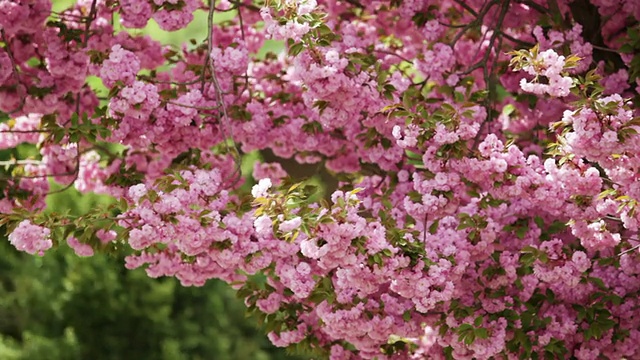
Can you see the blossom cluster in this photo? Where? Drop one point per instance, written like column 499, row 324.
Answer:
column 550, row 65
column 30, row 238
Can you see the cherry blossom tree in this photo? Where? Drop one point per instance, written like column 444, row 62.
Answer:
column 484, row 153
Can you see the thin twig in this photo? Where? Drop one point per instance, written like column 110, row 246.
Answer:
column 88, row 22
column 629, row 250
column 605, row 49
column 24, row 131
column 424, row 230
column 488, row 75
column 525, row 44
column 394, row 54
column 193, row 106
column 476, row 22
column 170, row 82
column 20, row 162
column 224, row 120
column 494, row 37
column 453, row 26
column 246, row 72
column 467, row 7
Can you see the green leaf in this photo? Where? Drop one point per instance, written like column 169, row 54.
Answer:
column 434, row 227
column 482, row 333
column 296, row 49
column 521, row 232
column 478, row 321
column 598, row 282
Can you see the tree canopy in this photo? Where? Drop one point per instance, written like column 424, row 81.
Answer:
column 406, row 179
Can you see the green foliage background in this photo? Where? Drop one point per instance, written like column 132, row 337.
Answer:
column 62, row 307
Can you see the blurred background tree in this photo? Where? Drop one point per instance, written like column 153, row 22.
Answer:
column 60, row 307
